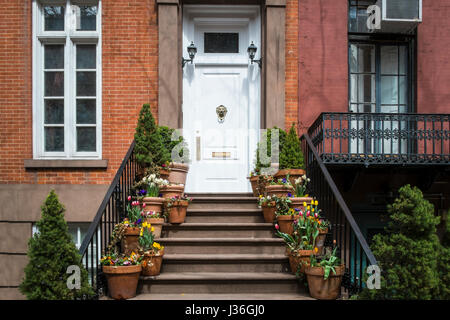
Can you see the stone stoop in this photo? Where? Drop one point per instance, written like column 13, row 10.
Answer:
column 223, row 251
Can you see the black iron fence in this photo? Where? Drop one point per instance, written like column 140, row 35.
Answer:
column 353, row 247
column 111, row 211
column 382, row 138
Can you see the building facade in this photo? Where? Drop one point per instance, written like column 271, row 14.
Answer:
column 74, row 75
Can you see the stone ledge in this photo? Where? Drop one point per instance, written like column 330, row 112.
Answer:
column 43, row 164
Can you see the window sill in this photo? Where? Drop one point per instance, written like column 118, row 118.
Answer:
column 83, row 164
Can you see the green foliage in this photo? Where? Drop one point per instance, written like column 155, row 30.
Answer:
column 328, row 262
column 179, row 145
column 408, row 253
column 50, row 252
column 149, row 147
column 265, row 147
column 291, row 155
column 444, row 263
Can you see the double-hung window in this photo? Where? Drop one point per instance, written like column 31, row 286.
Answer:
column 67, row 79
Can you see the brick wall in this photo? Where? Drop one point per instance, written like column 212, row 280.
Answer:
column 291, row 52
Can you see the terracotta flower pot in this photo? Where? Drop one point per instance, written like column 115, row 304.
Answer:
column 286, row 223
column 299, row 258
column 254, row 184
column 297, row 202
column 320, row 240
column 122, row 280
column 164, row 174
column 157, row 223
column 269, row 212
column 279, row 190
column 130, row 241
column 172, row 190
column 322, row 289
column 153, row 204
column 294, row 174
column 177, row 212
column 151, row 263
column 178, row 173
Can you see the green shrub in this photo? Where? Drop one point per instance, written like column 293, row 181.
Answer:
column 291, row 155
column 444, row 263
column 266, row 145
column 178, row 144
column 51, row 251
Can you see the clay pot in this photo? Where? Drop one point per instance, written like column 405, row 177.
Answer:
column 286, row 223
column 254, row 184
column 322, row 289
column 279, row 190
column 294, row 174
column 130, row 241
column 320, row 240
column 153, row 204
column 122, row 280
column 269, row 212
column 177, row 212
column 178, row 173
column 164, row 174
column 297, row 203
column 172, row 190
column 299, row 258
column 151, row 263
column 157, row 223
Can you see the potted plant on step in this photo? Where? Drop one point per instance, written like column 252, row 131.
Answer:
column 149, row 192
column 280, row 188
column 177, row 151
column 300, row 198
column 171, row 190
column 156, row 219
column 253, row 178
column 152, row 252
column 291, row 158
column 285, row 215
column 321, row 224
column 176, row 208
column 132, row 226
column 268, row 205
column 324, row 276
column 122, row 274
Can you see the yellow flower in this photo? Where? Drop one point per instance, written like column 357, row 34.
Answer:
column 316, row 250
column 312, row 209
column 144, row 224
column 152, row 229
column 141, row 233
column 156, row 245
column 308, row 207
column 260, row 196
column 316, row 203
column 306, row 195
column 304, row 204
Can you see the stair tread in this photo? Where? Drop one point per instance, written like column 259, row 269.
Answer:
column 220, row 225
column 220, row 296
column 214, row 257
column 224, row 198
column 220, row 276
column 221, row 211
column 250, row 240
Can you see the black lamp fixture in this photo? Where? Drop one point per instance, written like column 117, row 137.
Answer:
column 192, row 50
column 252, row 52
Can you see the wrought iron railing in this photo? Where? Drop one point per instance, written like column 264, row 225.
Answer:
column 353, row 248
column 111, row 211
column 382, row 138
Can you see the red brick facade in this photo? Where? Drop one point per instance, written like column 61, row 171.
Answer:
column 291, row 98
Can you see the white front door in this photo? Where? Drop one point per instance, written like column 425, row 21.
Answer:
column 222, row 146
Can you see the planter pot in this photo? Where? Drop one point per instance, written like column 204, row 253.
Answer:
column 164, row 174
column 122, row 280
column 320, row 240
column 130, row 241
column 153, row 204
column 324, row 289
column 178, row 173
column 269, row 213
column 177, row 212
column 254, row 184
column 286, row 223
column 298, row 202
column 279, row 190
column 157, row 223
column 300, row 258
column 294, row 174
column 151, row 263
column 172, row 190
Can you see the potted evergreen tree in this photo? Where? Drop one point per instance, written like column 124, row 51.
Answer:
column 291, row 158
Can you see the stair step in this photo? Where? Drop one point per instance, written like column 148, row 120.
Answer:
column 252, row 215
column 220, row 282
column 217, row 195
column 223, row 202
column 221, row 296
column 225, row 263
column 223, row 245
column 223, row 230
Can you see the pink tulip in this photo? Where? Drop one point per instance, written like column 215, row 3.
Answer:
column 316, row 215
column 301, row 214
column 277, row 226
column 307, row 213
column 143, row 205
column 129, row 198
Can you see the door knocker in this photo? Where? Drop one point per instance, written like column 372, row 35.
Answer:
column 221, row 113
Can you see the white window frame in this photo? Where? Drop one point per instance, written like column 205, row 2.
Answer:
column 70, row 38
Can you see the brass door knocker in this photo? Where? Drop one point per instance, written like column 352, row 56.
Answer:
column 221, row 113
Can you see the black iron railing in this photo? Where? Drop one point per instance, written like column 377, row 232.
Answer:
column 353, row 247
column 111, row 211
column 382, row 138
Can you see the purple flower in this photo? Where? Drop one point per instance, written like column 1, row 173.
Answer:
column 142, row 192
column 297, row 209
column 289, row 195
column 284, row 180
column 137, row 222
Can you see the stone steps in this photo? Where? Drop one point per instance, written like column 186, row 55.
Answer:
column 251, row 215
column 222, row 230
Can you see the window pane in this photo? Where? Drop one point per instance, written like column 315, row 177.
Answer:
column 353, row 58
column 54, row 111
column 403, row 90
column 54, row 84
column 389, row 60
column 366, row 59
column 86, row 84
column 86, row 109
column 54, row 139
column 86, row 139
column 403, row 60
column 221, row 42
column 86, row 17
column 353, row 88
column 54, row 18
column 366, row 88
column 86, row 57
column 389, row 90
column 54, row 57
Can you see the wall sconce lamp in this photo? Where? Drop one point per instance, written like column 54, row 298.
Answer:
column 252, row 52
column 192, row 50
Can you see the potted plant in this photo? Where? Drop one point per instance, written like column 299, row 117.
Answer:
column 324, row 276
column 122, row 274
column 268, row 205
column 152, row 252
column 280, row 188
column 156, row 219
column 321, row 224
column 176, row 149
column 253, row 178
column 176, row 208
column 131, row 226
column 171, row 190
column 291, row 158
column 300, row 198
column 285, row 214
column 150, row 194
